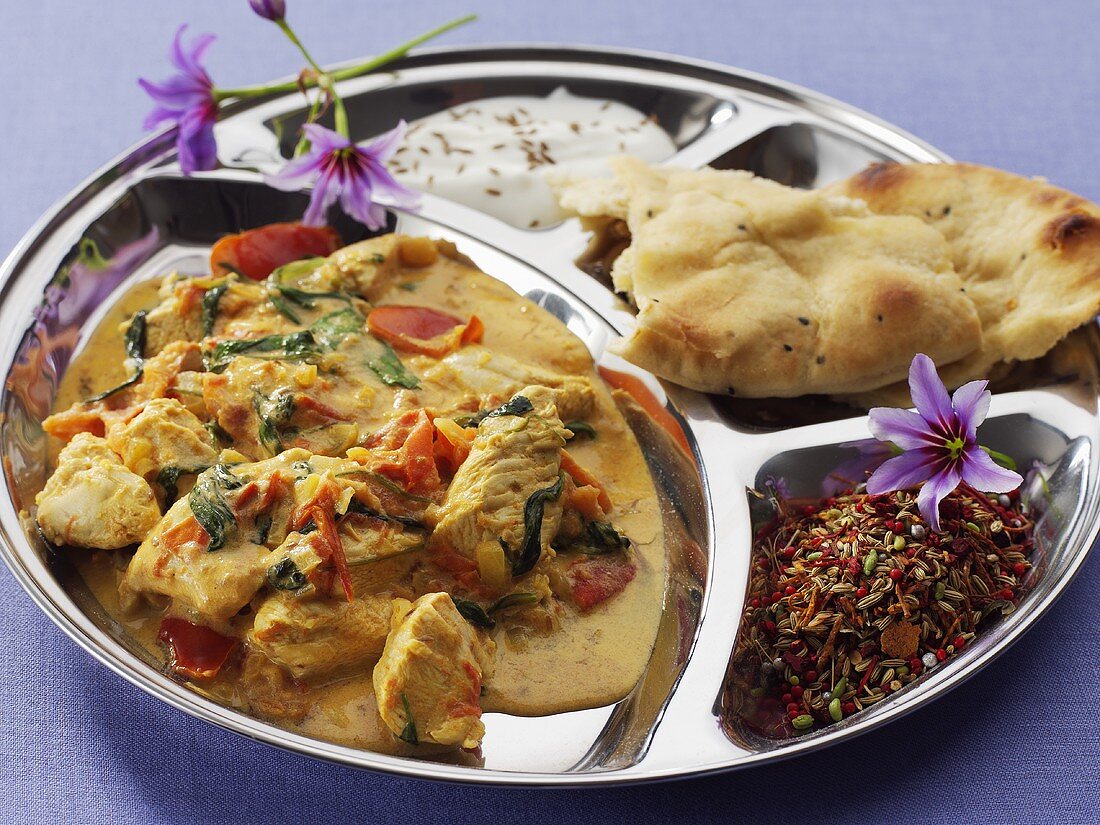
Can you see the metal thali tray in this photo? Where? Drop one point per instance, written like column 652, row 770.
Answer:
column 145, row 218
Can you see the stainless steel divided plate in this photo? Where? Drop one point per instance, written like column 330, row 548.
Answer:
column 145, row 218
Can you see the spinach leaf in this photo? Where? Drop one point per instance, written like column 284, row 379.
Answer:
column 531, row 549
column 389, row 485
column 408, row 733
column 263, row 527
column 389, row 369
column 513, row 600
column 325, row 334
column 284, row 308
column 518, row 405
column 285, row 575
column 135, row 350
column 273, row 412
column 579, row 428
column 474, row 613
column 297, row 346
column 308, row 300
column 601, row 537
column 210, row 300
column 209, row 506
column 169, row 477
column 359, row 508
column 330, row 330
column 218, row 433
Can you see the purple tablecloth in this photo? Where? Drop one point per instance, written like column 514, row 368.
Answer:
column 1016, row 87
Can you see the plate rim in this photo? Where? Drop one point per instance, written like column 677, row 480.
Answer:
column 153, row 147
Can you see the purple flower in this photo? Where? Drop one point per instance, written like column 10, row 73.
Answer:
column 186, row 101
column 939, row 441
column 341, row 169
column 273, row 10
column 870, row 454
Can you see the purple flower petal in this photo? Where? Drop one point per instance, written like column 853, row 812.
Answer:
column 189, row 59
column 982, row 473
column 358, row 203
column 324, row 141
column 325, row 192
column 196, row 145
column 929, row 394
column 906, row 470
column 933, row 492
column 971, row 403
column 186, row 100
column 297, row 173
column 904, row 427
column 272, row 10
column 383, row 146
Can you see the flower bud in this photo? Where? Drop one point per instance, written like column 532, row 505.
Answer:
column 274, row 10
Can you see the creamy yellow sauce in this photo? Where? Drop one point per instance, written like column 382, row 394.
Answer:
column 593, row 659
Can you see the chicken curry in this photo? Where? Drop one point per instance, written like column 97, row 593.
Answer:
column 372, row 494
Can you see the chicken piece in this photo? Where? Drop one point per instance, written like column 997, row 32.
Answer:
column 158, row 379
column 175, row 560
column 428, row 681
column 298, row 410
column 366, row 268
column 493, row 377
column 314, row 637
column 512, row 457
column 92, row 500
column 163, row 434
column 178, row 317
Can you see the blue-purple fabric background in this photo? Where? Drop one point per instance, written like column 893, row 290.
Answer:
column 1013, row 84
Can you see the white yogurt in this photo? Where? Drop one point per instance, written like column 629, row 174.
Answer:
column 492, row 154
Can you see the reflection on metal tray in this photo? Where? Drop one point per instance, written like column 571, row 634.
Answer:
column 144, row 217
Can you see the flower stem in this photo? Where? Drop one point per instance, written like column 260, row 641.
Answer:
column 293, row 38
column 343, row 74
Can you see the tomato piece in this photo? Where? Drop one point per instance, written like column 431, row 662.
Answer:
column 411, row 438
column 422, row 329
column 637, row 389
column 595, row 580
column 185, row 532
column 197, row 651
column 321, row 511
column 452, row 444
column 583, row 478
column 396, row 321
column 256, row 253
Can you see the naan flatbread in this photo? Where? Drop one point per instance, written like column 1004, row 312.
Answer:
column 748, row 287
column 1028, row 253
